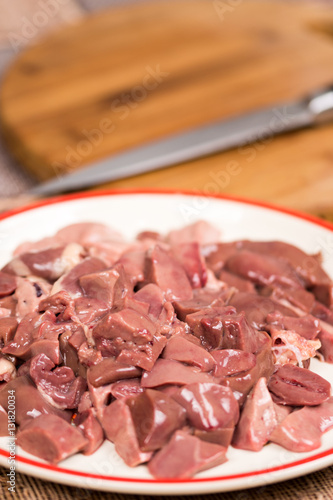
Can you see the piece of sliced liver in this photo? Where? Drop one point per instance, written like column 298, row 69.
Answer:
column 184, row 456
column 51, row 438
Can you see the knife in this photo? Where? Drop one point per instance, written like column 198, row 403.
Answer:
column 202, row 141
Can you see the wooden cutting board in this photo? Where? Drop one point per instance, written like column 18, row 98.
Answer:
column 130, row 75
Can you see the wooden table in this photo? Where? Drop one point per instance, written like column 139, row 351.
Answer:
column 127, row 76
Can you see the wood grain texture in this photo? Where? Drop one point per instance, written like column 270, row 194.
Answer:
column 129, row 75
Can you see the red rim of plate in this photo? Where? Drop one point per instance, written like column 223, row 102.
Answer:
column 119, row 192
column 81, row 195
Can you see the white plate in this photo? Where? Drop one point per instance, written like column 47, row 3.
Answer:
column 134, row 212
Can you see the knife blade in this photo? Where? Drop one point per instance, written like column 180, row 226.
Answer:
column 202, row 141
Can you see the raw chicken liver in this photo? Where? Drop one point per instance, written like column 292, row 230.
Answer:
column 171, row 347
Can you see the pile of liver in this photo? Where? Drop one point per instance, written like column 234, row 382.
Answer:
column 172, row 347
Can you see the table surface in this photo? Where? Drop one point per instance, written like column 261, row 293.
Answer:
column 13, row 180
column 213, row 66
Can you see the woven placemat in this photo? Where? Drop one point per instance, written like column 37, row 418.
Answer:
column 316, row 486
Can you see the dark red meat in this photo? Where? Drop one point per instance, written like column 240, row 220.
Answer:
column 184, row 456
column 91, row 430
column 207, row 324
column 307, row 266
column 155, row 416
column 182, row 349
column 257, row 421
column 256, row 308
column 208, row 406
column 307, row 326
column 302, row 429
column 100, row 285
column 44, row 263
column 189, row 256
column 154, row 297
column 126, row 387
column 58, row 385
column 326, row 338
column 222, row 328
column 7, row 284
column 118, row 425
column 242, row 383
column 50, row 438
column 70, row 281
column 167, row 371
column 292, row 385
column 221, row 436
column 35, row 335
column 201, row 299
column 262, row 269
column 134, row 265
column 131, row 336
column 8, row 328
column 164, row 270
column 217, row 254
column 110, row 370
column 232, row 362
column 29, row 403
column 165, row 346
column 242, row 285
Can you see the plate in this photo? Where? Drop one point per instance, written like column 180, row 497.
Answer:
column 132, row 212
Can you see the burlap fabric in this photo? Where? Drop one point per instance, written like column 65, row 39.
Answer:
column 316, row 486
